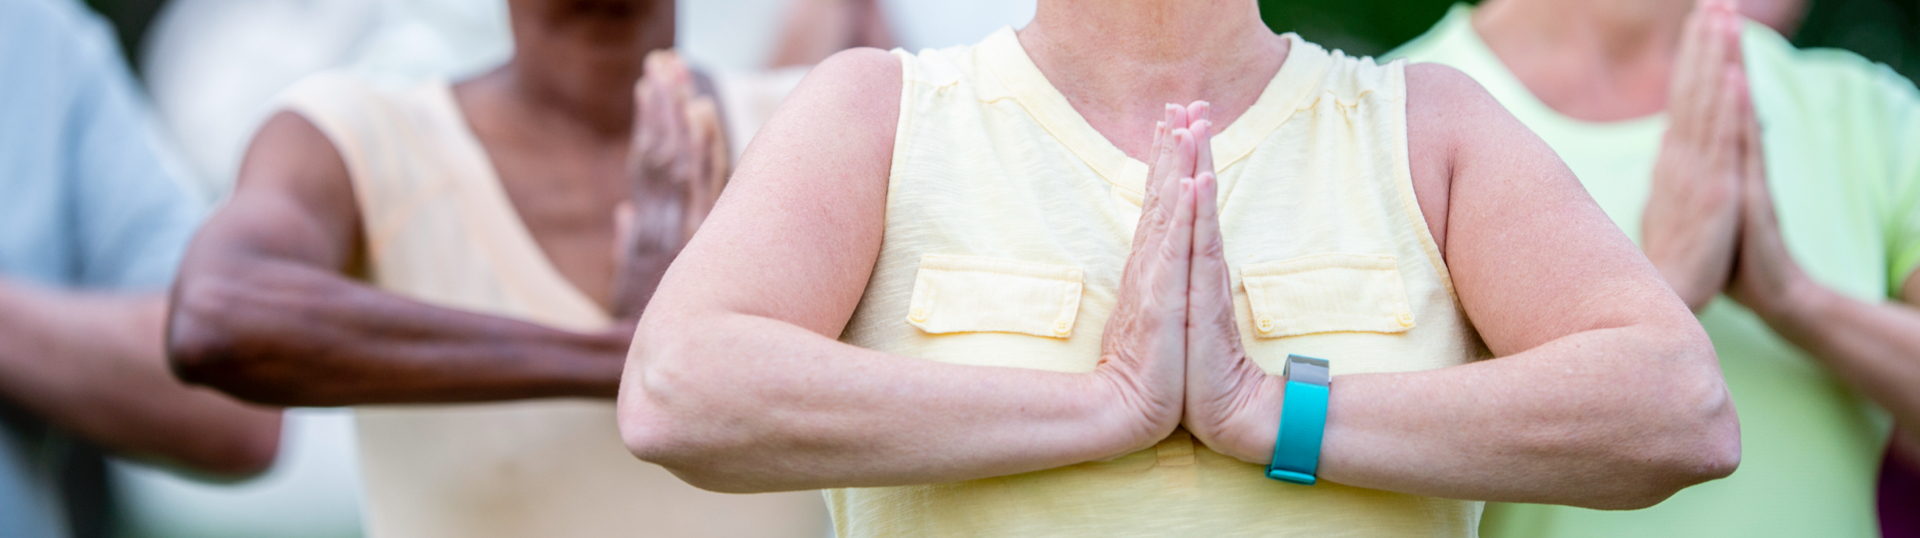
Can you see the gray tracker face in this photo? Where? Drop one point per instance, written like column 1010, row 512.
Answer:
column 1307, row 370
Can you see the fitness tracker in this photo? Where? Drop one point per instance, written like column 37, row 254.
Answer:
column 1303, row 420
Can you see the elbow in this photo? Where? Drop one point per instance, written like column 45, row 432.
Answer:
column 664, row 418
column 645, row 424
column 200, row 346
column 1704, row 428
column 651, row 390
column 1696, row 441
column 206, row 341
column 1706, row 442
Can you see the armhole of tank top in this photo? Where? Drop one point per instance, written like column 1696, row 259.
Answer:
column 903, row 123
column 1403, row 178
column 332, row 124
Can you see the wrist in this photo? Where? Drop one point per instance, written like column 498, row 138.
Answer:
column 1249, row 432
column 1128, row 419
column 1799, row 302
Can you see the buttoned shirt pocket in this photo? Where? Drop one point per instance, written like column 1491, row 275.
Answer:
column 1325, row 293
column 961, row 294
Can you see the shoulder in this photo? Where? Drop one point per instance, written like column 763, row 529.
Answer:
column 1449, row 109
column 1435, row 90
column 861, row 73
column 1452, row 123
column 846, row 109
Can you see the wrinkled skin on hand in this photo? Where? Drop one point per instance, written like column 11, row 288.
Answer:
column 679, row 164
column 1174, row 335
column 1230, row 399
column 1142, row 352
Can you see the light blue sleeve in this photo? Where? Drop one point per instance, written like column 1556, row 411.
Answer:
column 131, row 219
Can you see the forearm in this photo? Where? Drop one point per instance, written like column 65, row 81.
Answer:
column 93, row 364
column 747, row 403
column 284, row 333
column 1875, row 347
column 1611, row 418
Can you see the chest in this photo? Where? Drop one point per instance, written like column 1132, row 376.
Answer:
column 566, row 201
column 1016, row 260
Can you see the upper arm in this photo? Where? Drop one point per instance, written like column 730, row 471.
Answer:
column 292, row 207
column 796, row 233
column 292, row 202
column 1531, row 255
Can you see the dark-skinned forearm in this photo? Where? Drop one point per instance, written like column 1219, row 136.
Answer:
column 290, row 334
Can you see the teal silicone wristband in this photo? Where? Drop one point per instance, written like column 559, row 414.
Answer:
column 1303, row 420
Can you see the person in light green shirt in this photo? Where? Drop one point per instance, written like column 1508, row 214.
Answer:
column 1658, row 107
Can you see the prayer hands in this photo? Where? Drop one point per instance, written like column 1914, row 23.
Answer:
column 1693, row 215
column 679, row 163
column 1710, row 222
column 1176, row 313
column 1145, row 339
column 1232, row 405
column 1765, row 277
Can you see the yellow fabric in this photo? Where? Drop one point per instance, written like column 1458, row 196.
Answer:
column 441, row 229
column 996, row 179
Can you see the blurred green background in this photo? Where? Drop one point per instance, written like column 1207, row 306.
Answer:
column 1886, row 31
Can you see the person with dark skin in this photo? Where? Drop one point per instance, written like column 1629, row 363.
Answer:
column 335, row 276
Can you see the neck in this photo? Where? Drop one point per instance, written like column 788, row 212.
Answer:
column 579, row 61
column 1120, row 61
column 1597, row 61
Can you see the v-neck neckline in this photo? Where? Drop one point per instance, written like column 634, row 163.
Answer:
column 518, row 251
column 1305, row 65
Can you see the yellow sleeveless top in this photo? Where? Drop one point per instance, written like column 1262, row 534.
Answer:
column 1009, row 220
column 440, row 229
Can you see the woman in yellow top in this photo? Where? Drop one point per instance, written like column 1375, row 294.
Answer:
column 1003, row 290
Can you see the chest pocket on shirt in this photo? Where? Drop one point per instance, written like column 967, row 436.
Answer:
column 958, row 294
column 1327, row 293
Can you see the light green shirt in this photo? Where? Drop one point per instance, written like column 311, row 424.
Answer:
column 1843, row 156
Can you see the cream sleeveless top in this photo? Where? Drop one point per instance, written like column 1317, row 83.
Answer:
column 441, row 229
column 1009, row 220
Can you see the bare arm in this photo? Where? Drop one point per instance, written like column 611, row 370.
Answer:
column 93, row 364
column 1605, row 393
column 736, row 382
column 1874, row 346
column 263, row 309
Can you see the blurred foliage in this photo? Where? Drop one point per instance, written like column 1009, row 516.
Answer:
column 1886, row 31
column 130, row 19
